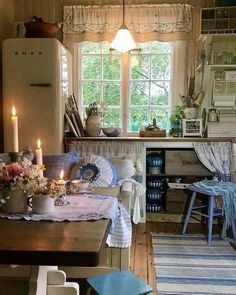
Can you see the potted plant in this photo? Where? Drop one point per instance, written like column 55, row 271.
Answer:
column 176, row 121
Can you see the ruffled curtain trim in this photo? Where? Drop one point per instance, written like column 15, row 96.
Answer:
column 97, row 23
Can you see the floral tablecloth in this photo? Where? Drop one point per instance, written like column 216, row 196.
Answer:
column 85, row 207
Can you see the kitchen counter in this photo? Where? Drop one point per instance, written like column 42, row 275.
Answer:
column 136, row 148
column 152, row 139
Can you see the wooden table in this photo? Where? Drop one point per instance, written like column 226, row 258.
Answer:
column 53, row 243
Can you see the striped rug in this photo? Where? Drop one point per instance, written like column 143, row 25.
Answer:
column 184, row 264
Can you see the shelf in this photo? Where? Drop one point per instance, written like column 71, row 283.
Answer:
column 178, row 185
column 175, row 175
column 155, row 175
column 179, row 169
column 218, row 20
column 216, row 67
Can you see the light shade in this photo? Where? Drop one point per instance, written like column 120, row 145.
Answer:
column 123, row 40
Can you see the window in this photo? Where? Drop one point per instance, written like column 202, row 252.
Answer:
column 135, row 87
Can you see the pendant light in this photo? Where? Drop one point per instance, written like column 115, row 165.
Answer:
column 123, row 40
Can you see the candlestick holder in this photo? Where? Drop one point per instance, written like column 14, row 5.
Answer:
column 16, row 156
column 62, row 200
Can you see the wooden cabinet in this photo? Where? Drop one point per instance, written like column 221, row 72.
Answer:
column 218, row 20
column 218, row 33
column 155, row 180
column 179, row 167
column 184, row 163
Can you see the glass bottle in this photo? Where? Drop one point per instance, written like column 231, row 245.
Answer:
column 212, row 115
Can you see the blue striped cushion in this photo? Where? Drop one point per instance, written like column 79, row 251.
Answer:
column 54, row 163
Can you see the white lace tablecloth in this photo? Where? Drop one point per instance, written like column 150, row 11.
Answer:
column 89, row 207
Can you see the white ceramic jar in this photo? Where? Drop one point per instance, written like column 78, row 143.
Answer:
column 94, row 125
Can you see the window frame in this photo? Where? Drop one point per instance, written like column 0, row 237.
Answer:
column 125, row 79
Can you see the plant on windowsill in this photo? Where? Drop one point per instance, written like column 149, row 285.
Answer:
column 176, row 121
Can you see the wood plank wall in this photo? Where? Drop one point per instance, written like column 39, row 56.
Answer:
column 6, row 30
column 51, row 10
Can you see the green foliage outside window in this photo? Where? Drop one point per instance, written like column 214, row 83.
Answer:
column 149, row 86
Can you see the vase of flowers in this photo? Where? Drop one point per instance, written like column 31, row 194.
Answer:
column 43, row 195
column 15, row 183
column 18, row 181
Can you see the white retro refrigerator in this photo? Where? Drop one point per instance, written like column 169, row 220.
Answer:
column 37, row 81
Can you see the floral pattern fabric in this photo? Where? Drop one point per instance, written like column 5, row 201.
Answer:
column 216, row 157
column 162, row 18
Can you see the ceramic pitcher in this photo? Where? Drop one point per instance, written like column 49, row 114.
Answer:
column 15, row 201
column 41, row 204
column 94, row 125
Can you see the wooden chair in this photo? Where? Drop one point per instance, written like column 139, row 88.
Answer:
column 212, row 212
column 118, row 283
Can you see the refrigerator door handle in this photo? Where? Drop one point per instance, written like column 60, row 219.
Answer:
column 40, row 85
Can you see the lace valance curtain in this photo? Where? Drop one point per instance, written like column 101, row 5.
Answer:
column 164, row 22
column 131, row 150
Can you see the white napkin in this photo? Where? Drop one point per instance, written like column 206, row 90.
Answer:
column 136, row 214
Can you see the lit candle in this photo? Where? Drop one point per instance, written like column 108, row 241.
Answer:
column 61, row 180
column 62, row 174
column 39, row 156
column 14, row 120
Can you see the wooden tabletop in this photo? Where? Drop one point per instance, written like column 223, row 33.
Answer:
column 53, row 243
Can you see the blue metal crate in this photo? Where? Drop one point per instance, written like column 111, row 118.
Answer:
column 154, row 194
column 154, row 207
column 154, row 161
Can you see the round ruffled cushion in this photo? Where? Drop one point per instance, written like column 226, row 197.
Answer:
column 95, row 168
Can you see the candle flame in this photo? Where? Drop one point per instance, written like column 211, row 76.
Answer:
column 13, row 111
column 62, row 174
column 39, row 144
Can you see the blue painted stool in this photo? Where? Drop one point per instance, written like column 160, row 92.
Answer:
column 211, row 211
column 118, row 283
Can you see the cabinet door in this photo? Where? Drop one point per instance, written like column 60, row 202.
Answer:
column 184, row 162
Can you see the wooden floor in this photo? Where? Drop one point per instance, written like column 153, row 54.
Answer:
column 141, row 250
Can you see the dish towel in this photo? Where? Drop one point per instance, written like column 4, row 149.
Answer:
column 139, row 191
column 136, row 215
column 121, row 234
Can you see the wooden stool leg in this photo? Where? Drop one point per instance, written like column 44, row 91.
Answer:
column 210, row 218
column 234, row 229
column 89, row 291
column 193, row 197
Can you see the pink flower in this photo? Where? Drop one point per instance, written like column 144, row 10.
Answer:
column 12, row 170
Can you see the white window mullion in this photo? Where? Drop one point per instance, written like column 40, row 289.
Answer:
column 77, row 80
column 101, row 78
column 150, row 84
column 125, row 74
